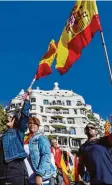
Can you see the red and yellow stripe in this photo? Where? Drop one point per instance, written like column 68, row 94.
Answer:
column 45, row 64
column 107, row 127
column 78, row 32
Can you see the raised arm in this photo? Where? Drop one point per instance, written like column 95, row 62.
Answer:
column 23, row 121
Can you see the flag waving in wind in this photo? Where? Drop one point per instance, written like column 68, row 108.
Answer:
column 45, row 64
column 107, row 127
column 77, row 34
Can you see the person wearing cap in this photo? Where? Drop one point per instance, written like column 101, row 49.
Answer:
column 39, row 155
column 12, row 154
column 95, row 155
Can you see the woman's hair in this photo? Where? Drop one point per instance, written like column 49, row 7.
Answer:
column 33, row 120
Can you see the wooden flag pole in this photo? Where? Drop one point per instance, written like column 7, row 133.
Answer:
column 106, row 55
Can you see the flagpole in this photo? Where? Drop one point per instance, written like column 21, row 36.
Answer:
column 32, row 83
column 26, row 94
column 106, row 55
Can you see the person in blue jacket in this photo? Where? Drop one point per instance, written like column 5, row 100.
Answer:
column 12, row 154
column 40, row 155
column 95, row 155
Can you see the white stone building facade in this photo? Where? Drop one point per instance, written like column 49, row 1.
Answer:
column 63, row 115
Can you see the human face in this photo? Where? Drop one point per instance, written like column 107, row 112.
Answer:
column 91, row 131
column 10, row 121
column 54, row 143
column 33, row 128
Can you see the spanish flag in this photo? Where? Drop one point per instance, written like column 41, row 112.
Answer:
column 64, row 171
column 81, row 26
column 45, row 64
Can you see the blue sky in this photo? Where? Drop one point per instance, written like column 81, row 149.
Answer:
column 25, row 31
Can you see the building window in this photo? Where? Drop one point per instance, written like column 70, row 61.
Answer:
column 75, row 111
column 70, row 120
column 68, row 102
column 53, row 102
column 41, row 109
column 58, row 102
column 82, row 111
column 12, row 106
column 72, row 131
column 33, row 107
column 33, row 115
column 44, row 119
column 62, row 141
column 76, row 142
column 46, row 128
column 66, row 111
column 33, row 100
column 18, row 105
column 47, row 110
column 7, row 109
column 79, row 103
column 73, row 142
column 45, row 102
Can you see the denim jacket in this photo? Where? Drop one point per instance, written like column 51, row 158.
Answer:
column 13, row 139
column 40, row 155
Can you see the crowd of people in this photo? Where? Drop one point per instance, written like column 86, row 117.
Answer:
column 38, row 160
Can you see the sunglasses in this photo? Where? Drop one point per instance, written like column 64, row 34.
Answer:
column 93, row 128
column 11, row 117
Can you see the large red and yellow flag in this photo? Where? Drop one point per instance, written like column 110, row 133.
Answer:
column 107, row 128
column 78, row 32
column 45, row 64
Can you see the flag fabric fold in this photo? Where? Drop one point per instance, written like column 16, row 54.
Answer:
column 107, row 128
column 81, row 26
column 46, row 62
column 64, row 171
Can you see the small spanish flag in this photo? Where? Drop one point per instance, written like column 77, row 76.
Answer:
column 45, row 64
column 81, row 26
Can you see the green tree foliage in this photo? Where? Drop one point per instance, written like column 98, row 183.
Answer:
column 3, row 121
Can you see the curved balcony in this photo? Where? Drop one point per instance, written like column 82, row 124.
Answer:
column 56, row 105
column 65, row 133
column 57, row 116
column 57, row 123
column 57, row 112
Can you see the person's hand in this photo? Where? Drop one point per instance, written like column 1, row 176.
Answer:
column 29, row 90
column 10, row 122
column 38, row 180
